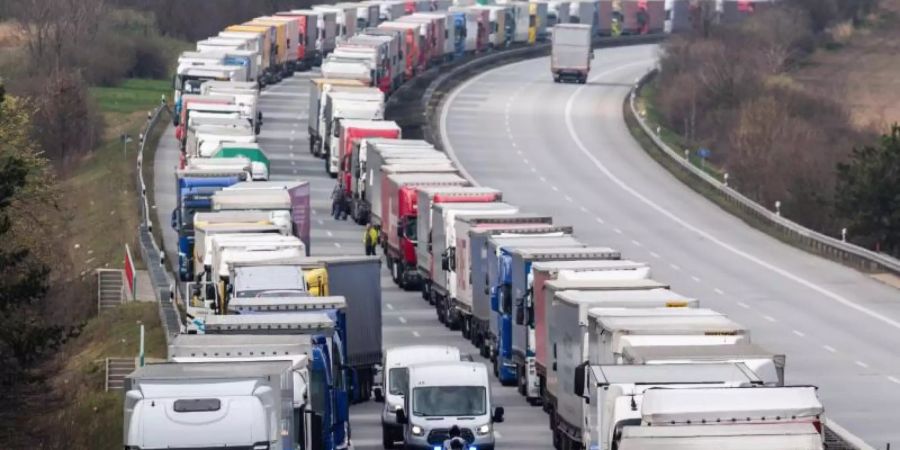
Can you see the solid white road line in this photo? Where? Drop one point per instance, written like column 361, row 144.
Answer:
column 672, row 216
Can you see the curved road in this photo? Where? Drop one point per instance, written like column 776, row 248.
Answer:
column 406, row 318
column 565, row 150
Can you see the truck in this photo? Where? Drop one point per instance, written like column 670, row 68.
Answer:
column 398, row 218
column 259, row 162
column 270, row 72
column 318, row 87
column 432, row 35
column 195, row 101
column 314, row 386
column 386, row 52
column 444, row 394
column 209, row 224
column 349, row 134
column 570, row 53
column 443, row 242
column 291, row 27
column 360, row 190
column 541, row 297
column 203, row 140
column 557, row 13
column 193, row 193
column 256, row 43
column 643, row 16
column 524, row 345
column 397, row 361
column 376, row 154
column 610, row 397
column 768, row 365
column 479, row 281
column 362, row 104
column 745, row 406
column 245, row 95
column 785, row 436
column 395, row 51
column 189, row 79
column 215, row 404
column 323, row 328
column 358, row 279
column 293, row 196
column 428, row 197
column 538, row 10
column 236, row 52
column 278, row 30
column 345, row 14
column 368, row 14
column 236, row 164
column 412, row 46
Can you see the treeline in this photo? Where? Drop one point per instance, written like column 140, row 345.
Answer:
column 730, row 89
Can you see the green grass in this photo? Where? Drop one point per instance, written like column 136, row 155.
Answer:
column 646, row 103
column 132, row 95
column 87, row 416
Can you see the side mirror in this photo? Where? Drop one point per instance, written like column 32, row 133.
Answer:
column 520, row 312
column 445, row 262
column 401, row 417
column 378, row 392
column 497, row 417
column 580, row 373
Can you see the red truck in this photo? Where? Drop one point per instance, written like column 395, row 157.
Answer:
column 410, row 45
column 399, row 198
column 350, row 133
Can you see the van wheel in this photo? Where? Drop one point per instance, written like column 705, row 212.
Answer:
column 387, row 441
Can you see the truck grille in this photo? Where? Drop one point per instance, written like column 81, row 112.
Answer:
column 439, row 435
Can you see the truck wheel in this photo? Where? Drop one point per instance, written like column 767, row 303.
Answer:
column 496, row 362
column 401, row 280
column 392, row 265
column 464, row 326
column 387, row 440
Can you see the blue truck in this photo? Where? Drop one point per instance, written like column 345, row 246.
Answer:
column 523, row 330
column 323, row 320
column 193, row 193
column 500, row 273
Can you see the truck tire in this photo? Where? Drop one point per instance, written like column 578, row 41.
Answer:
column 464, row 327
column 387, row 440
column 520, row 381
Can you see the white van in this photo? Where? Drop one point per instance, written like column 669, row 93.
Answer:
column 442, row 395
column 396, row 382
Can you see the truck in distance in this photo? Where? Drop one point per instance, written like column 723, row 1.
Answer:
column 571, row 53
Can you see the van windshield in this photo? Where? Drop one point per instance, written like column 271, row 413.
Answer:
column 449, row 401
column 399, row 380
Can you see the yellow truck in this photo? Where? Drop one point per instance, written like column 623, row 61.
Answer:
column 287, row 30
column 269, row 60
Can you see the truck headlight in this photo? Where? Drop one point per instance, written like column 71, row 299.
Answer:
column 484, row 429
column 417, row 430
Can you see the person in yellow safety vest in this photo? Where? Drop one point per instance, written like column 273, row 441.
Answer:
column 370, row 239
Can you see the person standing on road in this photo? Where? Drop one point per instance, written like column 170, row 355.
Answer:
column 336, row 202
column 370, row 239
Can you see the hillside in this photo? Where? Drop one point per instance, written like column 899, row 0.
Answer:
column 861, row 69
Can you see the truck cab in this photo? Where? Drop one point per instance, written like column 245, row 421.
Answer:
column 396, row 382
column 445, row 394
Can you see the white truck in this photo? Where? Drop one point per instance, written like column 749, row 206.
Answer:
column 445, row 394
column 607, row 332
column 204, row 405
column 785, row 436
column 396, row 382
column 204, row 140
column 611, row 396
column 768, row 365
column 571, row 54
column 364, row 104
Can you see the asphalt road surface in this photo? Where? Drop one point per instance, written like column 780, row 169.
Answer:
column 407, row 318
column 564, row 149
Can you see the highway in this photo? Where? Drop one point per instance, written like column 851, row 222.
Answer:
column 407, row 318
column 564, row 149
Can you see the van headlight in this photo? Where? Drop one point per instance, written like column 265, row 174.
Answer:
column 395, row 406
column 417, row 430
column 484, row 429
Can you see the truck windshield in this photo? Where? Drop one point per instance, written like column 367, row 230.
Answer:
column 399, row 380
column 192, row 85
column 449, row 401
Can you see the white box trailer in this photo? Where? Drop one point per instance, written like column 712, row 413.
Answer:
column 608, row 330
column 363, row 104
column 611, row 396
column 785, row 436
column 204, row 140
column 571, row 52
column 565, row 318
column 202, row 405
column 327, row 25
column 318, row 88
column 768, row 365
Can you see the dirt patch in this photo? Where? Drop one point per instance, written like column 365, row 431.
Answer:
column 861, row 69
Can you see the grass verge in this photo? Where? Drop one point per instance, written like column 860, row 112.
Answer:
column 100, row 191
column 85, row 416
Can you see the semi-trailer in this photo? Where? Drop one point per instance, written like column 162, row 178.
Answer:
column 768, row 365
column 610, row 397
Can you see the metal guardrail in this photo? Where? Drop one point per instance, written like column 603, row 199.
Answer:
column 153, row 257
column 836, row 249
